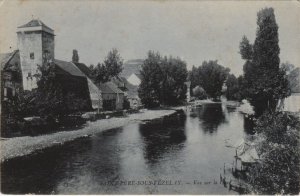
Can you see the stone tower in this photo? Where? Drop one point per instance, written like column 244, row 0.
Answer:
column 36, row 45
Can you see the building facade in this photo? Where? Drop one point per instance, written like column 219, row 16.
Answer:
column 36, row 45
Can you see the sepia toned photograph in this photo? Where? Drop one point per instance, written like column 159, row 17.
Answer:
column 150, row 97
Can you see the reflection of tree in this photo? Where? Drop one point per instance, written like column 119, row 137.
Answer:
column 212, row 116
column 161, row 136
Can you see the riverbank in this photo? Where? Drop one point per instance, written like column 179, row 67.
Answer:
column 21, row 146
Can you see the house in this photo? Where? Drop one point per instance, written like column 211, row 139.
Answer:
column 113, row 97
column 131, row 71
column 130, row 91
column 132, row 79
column 35, row 47
column 95, row 92
column 73, row 81
column 11, row 82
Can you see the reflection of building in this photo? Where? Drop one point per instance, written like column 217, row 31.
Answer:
column 36, row 46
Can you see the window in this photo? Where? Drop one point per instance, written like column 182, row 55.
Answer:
column 31, row 55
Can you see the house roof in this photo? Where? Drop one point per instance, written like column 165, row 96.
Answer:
column 35, row 23
column 131, row 90
column 110, row 88
column 249, row 156
column 83, row 68
column 69, row 67
column 6, row 57
column 132, row 66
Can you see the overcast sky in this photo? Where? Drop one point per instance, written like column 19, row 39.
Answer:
column 193, row 30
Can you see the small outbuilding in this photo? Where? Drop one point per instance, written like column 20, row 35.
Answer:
column 112, row 96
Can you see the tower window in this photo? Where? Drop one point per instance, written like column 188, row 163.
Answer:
column 31, row 55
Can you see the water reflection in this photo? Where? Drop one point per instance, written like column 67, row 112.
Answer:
column 161, row 136
column 211, row 117
column 176, row 147
column 40, row 173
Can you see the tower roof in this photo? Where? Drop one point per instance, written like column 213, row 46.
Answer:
column 36, row 24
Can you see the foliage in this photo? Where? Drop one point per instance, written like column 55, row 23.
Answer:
column 49, row 97
column 20, row 106
column 246, row 49
column 113, row 63
column 162, row 80
column 98, row 73
column 111, row 67
column 287, row 67
column 75, row 57
column 234, row 90
column 265, row 81
column 279, row 170
column 199, row 92
column 211, row 76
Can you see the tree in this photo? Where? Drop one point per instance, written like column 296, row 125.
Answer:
column 287, row 67
column 173, row 89
column 162, row 80
column 75, row 57
column 212, row 77
column 199, row 92
column 53, row 98
column 151, row 77
column 279, row 169
column 111, row 67
column 265, row 80
column 99, row 73
column 49, row 97
column 113, row 63
column 233, row 89
column 246, row 49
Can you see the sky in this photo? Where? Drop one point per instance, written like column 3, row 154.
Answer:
column 195, row 31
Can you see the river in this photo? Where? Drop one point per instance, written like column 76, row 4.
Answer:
column 183, row 154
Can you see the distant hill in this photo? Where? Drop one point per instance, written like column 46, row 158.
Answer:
column 294, row 80
column 132, row 66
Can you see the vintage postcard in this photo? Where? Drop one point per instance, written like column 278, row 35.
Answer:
column 150, row 97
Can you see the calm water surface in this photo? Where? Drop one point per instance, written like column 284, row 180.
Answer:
column 187, row 148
